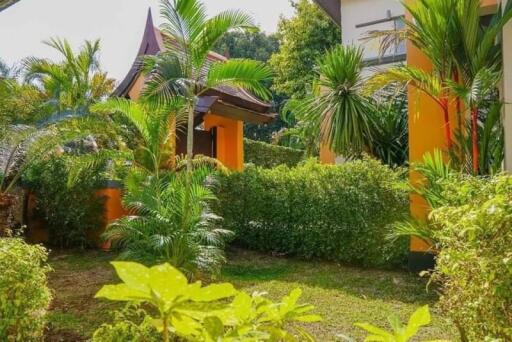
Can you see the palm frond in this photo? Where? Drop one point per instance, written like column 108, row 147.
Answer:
column 243, row 73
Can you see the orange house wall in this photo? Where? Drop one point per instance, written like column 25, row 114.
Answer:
column 426, row 133
column 230, row 140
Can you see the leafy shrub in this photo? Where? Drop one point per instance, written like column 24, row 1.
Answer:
column 171, row 222
column 267, row 155
column 130, row 324
column 24, row 294
column 195, row 313
column 66, row 198
column 474, row 264
column 333, row 212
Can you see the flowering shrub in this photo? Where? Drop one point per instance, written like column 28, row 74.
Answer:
column 24, row 294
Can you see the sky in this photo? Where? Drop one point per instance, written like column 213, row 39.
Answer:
column 118, row 23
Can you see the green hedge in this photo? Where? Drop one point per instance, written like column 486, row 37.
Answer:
column 474, row 265
column 24, row 294
column 267, row 155
column 331, row 212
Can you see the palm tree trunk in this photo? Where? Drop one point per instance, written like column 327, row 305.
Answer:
column 7, row 203
column 447, row 125
column 474, row 139
column 190, row 136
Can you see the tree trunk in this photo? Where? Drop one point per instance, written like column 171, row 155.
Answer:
column 190, row 136
column 474, row 139
column 447, row 126
column 7, row 203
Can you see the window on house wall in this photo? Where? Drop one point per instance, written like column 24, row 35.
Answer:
column 399, row 24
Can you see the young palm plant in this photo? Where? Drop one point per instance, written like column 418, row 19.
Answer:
column 171, row 223
column 185, row 69
column 73, row 84
column 156, row 124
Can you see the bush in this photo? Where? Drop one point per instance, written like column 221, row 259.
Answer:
column 67, row 200
column 474, row 265
column 24, row 294
column 266, row 155
column 332, row 212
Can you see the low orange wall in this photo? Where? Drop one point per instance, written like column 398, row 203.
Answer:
column 113, row 210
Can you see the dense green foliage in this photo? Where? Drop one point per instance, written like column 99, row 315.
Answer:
column 266, row 155
column 303, row 38
column 253, row 45
column 66, row 200
column 130, row 324
column 474, row 264
column 332, row 212
column 171, row 222
column 24, row 294
column 191, row 312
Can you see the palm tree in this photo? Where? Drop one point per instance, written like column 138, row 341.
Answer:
column 431, row 30
column 478, row 60
column 185, row 70
column 171, row 223
column 73, row 84
column 338, row 105
column 156, row 124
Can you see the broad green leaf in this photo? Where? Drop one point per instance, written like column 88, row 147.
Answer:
column 214, row 327
column 213, row 292
column 185, row 326
column 167, row 282
column 133, row 274
column 122, row 292
column 374, row 330
column 395, row 323
column 419, row 318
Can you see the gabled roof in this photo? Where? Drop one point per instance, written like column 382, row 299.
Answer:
column 154, row 42
column 332, row 8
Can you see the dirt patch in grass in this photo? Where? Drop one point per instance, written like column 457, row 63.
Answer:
column 77, row 276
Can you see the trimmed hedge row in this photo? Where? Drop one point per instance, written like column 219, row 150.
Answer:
column 338, row 213
column 267, row 155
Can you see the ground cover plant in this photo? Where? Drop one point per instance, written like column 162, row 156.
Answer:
column 341, row 295
column 331, row 212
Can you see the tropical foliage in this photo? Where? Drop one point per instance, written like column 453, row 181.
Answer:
column 74, row 84
column 268, row 155
column 303, row 39
column 185, row 70
column 24, row 293
column 195, row 313
column 466, row 59
column 171, row 222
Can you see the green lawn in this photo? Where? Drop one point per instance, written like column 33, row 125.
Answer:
column 342, row 295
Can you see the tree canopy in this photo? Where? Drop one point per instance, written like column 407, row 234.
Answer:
column 303, row 38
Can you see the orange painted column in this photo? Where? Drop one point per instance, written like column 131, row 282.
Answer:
column 230, row 140
column 426, row 133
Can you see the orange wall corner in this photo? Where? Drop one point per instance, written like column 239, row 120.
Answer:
column 230, row 140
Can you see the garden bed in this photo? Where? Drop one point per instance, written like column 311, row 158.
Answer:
column 342, row 295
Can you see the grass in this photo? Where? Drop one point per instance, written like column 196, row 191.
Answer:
column 342, row 295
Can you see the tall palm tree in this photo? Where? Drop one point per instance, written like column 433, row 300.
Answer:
column 185, row 69
column 338, row 105
column 76, row 82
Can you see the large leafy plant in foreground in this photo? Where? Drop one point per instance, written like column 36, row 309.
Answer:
column 195, row 313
